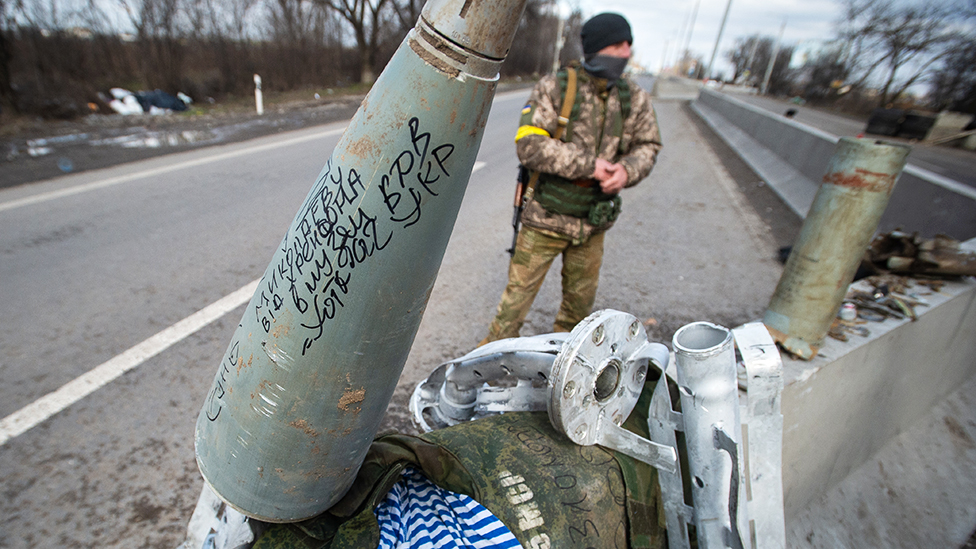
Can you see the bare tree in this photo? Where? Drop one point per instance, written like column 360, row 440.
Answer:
column 894, row 44
column 534, row 43
column 407, row 13
column 750, row 60
column 157, row 24
column 746, row 67
column 7, row 102
column 300, row 35
column 572, row 47
column 366, row 19
column 218, row 32
column 953, row 83
column 825, row 75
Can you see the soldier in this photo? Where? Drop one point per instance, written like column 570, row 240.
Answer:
column 609, row 141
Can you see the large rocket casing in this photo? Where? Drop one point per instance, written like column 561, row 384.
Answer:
column 310, row 370
column 842, row 220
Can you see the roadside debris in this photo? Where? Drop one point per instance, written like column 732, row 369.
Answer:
column 152, row 102
column 878, row 298
column 904, row 253
column 898, row 270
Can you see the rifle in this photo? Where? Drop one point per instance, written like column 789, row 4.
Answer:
column 526, row 179
column 522, row 183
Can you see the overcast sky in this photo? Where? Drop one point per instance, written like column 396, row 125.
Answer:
column 663, row 23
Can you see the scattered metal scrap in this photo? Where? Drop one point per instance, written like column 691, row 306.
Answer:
column 888, row 296
column 903, row 253
column 907, row 268
column 593, row 379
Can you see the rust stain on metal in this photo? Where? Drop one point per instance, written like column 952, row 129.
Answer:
column 351, row 396
column 304, row 427
column 362, row 147
column 260, row 387
column 316, row 473
column 862, row 179
column 443, row 47
column 241, row 364
column 433, row 60
column 280, row 330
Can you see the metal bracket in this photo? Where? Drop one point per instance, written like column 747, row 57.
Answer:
column 593, row 377
column 509, row 375
column 596, row 381
column 762, row 423
column 762, row 419
column 592, row 380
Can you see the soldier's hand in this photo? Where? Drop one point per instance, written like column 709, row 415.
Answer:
column 616, row 180
column 603, row 170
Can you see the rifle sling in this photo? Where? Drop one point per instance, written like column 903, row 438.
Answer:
column 565, row 110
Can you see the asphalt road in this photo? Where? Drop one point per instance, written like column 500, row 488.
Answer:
column 106, row 274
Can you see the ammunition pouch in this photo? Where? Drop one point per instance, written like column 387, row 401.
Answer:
column 581, row 199
column 604, row 212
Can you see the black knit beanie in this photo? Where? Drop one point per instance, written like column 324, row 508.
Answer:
column 605, row 29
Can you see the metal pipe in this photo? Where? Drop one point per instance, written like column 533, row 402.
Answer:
column 706, row 375
column 835, row 235
column 308, row 375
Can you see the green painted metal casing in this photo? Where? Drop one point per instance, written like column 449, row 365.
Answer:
column 308, row 375
column 838, row 228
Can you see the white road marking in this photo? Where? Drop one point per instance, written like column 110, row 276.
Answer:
column 70, row 191
column 50, row 404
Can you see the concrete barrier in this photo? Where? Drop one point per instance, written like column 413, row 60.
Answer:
column 791, row 157
column 879, row 439
column 845, row 410
column 841, row 407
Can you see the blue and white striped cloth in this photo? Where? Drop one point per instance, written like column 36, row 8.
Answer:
column 418, row 514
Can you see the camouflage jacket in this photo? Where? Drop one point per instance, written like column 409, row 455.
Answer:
column 592, row 136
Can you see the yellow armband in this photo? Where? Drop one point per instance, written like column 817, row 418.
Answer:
column 529, row 130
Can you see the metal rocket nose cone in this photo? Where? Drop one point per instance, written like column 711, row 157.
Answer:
column 483, row 27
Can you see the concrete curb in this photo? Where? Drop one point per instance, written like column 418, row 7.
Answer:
column 791, row 158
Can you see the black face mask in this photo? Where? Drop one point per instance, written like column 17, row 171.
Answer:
column 605, row 66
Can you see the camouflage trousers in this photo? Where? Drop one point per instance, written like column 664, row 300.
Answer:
column 534, row 254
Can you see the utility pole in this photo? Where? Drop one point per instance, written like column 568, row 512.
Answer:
column 664, row 57
column 691, row 26
column 721, row 29
column 559, row 39
column 772, row 60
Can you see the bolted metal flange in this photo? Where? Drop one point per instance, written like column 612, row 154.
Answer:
column 596, row 380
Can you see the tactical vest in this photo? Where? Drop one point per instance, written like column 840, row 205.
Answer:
column 562, row 196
